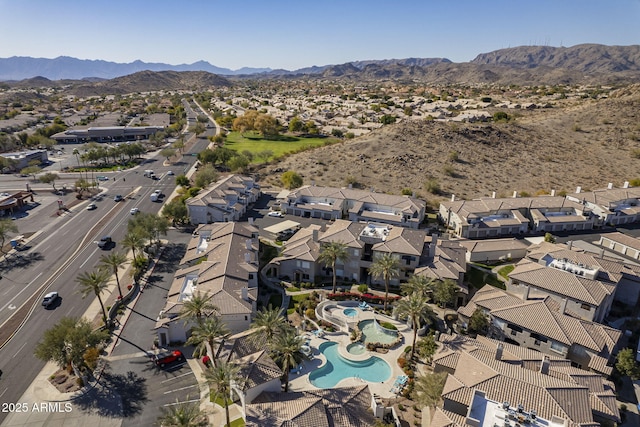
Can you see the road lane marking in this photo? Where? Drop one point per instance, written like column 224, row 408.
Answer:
column 184, row 401
column 178, row 376
column 19, row 350
column 18, row 294
column 88, row 258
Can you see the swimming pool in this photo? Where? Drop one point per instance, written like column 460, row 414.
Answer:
column 338, row 368
column 356, row 348
column 350, row 312
column 372, row 332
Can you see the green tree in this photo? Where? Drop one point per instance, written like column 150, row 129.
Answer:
column 385, row 267
column 176, row 211
column 501, row 116
column 428, row 389
column 49, row 178
column 7, row 228
column 330, row 254
column 167, row 153
column 287, row 352
column 66, row 342
column 478, row 322
column 427, row 347
column 205, row 176
column 296, row 125
column 183, row 181
column 419, row 284
column 415, row 308
column 291, row 180
column 183, row 414
column 179, row 145
column 197, row 129
column 114, row 261
column 133, row 241
column 548, row 237
column 95, row 282
column 220, row 377
column 30, row 170
column 271, row 321
column 626, row 364
column 197, row 306
column 207, row 336
column 444, row 292
column 238, row 163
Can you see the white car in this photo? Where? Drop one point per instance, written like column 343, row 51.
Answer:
column 170, row 173
column 134, row 211
column 49, row 299
column 91, row 206
column 277, row 214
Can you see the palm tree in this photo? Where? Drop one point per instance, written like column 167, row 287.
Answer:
column 414, row 307
column 427, row 390
column 7, row 227
column 198, row 305
column 331, row 253
column 385, row 267
column 114, row 261
column 220, row 379
column 420, row 284
column 133, row 241
column 94, row 282
column 210, row 333
column 271, row 320
column 287, row 350
column 183, row 415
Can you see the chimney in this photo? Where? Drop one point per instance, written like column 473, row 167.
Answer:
column 525, row 294
column 413, row 194
column 610, row 186
column 350, row 186
column 626, row 184
column 314, row 235
column 247, row 257
column 493, row 195
column 553, row 192
column 245, row 293
column 499, row 350
column 247, row 244
column 515, row 194
column 544, row 366
column 601, row 252
column 432, row 246
column 313, row 182
column 453, row 197
column 563, row 306
column 578, row 189
column 250, row 220
column 569, row 244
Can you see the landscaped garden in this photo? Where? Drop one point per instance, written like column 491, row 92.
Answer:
column 275, row 147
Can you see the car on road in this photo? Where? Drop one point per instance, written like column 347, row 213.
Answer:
column 105, row 242
column 277, row 214
column 49, row 299
column 102, row 178
column 117, row 198
column 168, row 357
column 91, row 206
column 134, row 211
column 170, row 173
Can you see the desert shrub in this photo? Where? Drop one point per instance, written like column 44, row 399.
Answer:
column 363, row 288
column 454, row 156
column 432, row 186
column 310, row 313
column 449, row 170
column 635, row 153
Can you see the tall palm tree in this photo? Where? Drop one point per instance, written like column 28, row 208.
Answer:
column 331, row 253
column 207, row 336
column 220, row 379
column 271, row 320
column 183, row 415
column 133, row 241
column 114, row 261
column 385, row 267
column 95, row 282
column 414, row 306
column 197, row 306
column 427, row 390
column 420, row 284
column 287, row 351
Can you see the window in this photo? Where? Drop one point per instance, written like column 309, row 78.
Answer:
column 538, row 338
column 246, row 318
column 557, row 347
column 305, row 277
column 306, row 264
column 356, row 252
column 585, row 307
column 515, row 328
column 250, row 276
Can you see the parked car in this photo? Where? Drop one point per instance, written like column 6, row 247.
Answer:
column 167, row 357
column 117, row 198
column 276, row 214
column 105, row 242
column 49, row 299
column 91, row 206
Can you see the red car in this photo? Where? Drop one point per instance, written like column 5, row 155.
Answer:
column 165, row 358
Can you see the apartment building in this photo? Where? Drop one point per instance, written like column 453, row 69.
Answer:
column 225, row 200
column 611, row 206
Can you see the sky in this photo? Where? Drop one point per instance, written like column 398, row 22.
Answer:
column 293, row 34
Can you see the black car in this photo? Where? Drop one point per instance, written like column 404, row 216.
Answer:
column 105, row 242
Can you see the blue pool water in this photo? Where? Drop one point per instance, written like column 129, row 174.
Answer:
column 372, row 332
column 337, row 368
column 350, row 312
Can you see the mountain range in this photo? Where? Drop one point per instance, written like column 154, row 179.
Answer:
column 587, row 59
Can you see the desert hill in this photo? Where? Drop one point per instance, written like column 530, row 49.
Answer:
column 586, row 143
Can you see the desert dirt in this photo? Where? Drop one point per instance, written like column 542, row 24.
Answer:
column 576, row 142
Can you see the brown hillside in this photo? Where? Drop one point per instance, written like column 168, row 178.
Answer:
column 586, row 143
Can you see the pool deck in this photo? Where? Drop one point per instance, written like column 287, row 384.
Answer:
column 300, row 381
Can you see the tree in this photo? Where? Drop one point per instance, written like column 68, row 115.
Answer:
column 548, row 237
column 197, row 129
column 291, row 180
column 7, row 227
column 266, row 125
column 205, row 176
column 330, row 254
column 220, row 378
column 183, row 414
column 95, row 282
column 428, row 388
column 207, row 336
column 114, row 261
column 415, row 308
column 238, row 163
column 385, row 267
column 296, row 124
column 67, row 341
column 427, row 347
column 478, row 322
column 176, row 211
column 444, row 292
column 419, row 284
column 49, row 178
column 30, row 170
column 271, row 321
column 133, row 241
column 179, row 145
column 183, row 181
column 167, row 153
column 197, row 306
column 287, row 351
column 626, row 364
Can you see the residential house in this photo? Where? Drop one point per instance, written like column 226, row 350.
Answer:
column 611, row 206
column 622, row 244
column 523, row 380
column 540, row 325
column 494, row 250
column 356, row 205
column 221, row 261
column 225, row 200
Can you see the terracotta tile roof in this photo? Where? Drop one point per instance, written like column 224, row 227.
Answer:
column 403, row 241
column 258, row 368
column 621, row 238
column 343, row 231
column 444, row 418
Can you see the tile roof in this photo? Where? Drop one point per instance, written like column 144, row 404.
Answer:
column 258, row 368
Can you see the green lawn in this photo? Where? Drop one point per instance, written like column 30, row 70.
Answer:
column 478, row 278
column 504, row 271
column 279, row 147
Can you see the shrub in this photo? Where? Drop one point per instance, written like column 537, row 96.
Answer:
column 402, row 362
column 363, row 288
column 310, row 313
column 79, row 382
